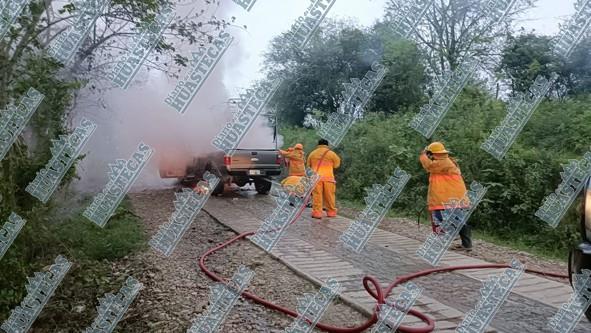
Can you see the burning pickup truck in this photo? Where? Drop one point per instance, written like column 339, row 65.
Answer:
column 240, row 166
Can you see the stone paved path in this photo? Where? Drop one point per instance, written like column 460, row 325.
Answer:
column 313, row 250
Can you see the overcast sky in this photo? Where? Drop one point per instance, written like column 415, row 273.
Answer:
column 269, row 17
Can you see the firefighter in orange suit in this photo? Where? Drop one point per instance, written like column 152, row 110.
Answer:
column 296, row 160
column 322, row 161
column 445, row 183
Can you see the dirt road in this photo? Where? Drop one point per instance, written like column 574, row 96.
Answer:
column 176, row 291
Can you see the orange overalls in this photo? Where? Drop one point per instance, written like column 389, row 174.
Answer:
column 445, row 183
column 324, row 192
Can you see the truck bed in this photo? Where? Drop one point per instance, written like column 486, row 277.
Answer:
column 254, row 162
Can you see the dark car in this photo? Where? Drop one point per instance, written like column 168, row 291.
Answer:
column 580, row 257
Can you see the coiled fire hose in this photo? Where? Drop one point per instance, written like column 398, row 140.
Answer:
column 378, row 294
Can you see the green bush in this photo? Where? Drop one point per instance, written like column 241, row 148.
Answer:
column 517, row 185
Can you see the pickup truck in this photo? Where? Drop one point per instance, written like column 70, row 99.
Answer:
column 254, row 166
column 241, row 166
column 580, row 257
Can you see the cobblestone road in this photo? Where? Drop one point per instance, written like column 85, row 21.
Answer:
column 457, row 293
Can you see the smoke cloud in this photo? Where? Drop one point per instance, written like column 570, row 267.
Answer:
column 126, row 118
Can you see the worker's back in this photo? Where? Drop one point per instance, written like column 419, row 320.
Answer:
column 322, row 160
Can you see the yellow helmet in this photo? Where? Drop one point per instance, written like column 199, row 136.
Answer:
column 299, row 146
column 437, row 148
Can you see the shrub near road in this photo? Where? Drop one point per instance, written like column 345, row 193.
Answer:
column 557, row 132
column 92, row 251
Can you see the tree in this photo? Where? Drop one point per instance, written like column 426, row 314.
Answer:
column 339, row 52
column 23, row 65
column 454, row 29
column 527, row 55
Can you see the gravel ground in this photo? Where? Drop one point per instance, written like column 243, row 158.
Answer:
column 176, row 291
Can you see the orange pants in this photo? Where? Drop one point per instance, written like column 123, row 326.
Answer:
column 324, row 192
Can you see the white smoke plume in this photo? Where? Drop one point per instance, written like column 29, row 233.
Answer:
column 140, row 115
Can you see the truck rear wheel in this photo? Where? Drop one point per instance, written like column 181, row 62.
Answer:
column 262, row 185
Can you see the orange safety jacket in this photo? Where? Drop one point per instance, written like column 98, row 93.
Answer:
column 445, row 182
column 325, row 167
column 296, row 162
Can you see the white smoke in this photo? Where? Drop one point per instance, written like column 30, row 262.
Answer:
column 140, row 115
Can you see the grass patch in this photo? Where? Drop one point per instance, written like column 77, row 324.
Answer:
column 90, row 248
column 521, row 244
column 122, row 235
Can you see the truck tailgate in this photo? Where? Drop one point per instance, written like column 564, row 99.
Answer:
column 255, row 159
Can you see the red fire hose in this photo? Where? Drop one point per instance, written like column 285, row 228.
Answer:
column 379, row 294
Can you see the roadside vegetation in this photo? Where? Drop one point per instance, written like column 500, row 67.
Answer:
column 91, row 250
column 57, row 227
column 558, row 131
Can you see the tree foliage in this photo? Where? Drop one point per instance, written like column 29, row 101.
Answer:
column 24, row 64
column 527, row 55
column 454, row 29
column 338, row 53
